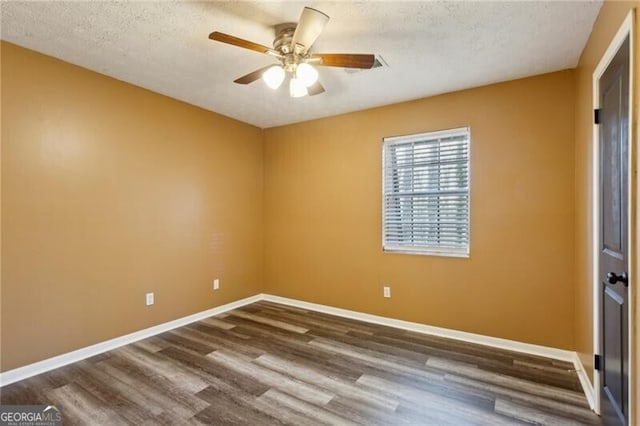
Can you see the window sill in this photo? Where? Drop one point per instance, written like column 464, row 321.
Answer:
column 429, row 252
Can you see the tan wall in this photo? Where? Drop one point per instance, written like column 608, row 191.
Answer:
column 635, row 381
column 108, row 192
column 323, row 214
column 609, row 20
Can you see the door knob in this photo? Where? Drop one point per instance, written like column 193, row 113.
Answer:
column 613, row 278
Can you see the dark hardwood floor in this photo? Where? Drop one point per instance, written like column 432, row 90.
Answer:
column 267, row 364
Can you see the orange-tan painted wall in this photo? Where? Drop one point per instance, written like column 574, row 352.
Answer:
column 635, row 381
column 323, row 214
column 609, row 20
column 110, row 191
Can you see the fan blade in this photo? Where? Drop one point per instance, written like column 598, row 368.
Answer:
column 252, row 76
column 315, row 89
column 344, row 60
column 229, row 39
column 309, row 27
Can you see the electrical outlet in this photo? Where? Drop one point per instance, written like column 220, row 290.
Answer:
column 216, row 284
column 150, row 299
column 386, row 292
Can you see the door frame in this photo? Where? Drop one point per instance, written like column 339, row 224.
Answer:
column 626, row 29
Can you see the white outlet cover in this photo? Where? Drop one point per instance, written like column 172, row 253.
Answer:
column 150, row 299
column 387, row 292
column 216, row 284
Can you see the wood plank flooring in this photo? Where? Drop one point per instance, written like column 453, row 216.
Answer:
column 269, row 364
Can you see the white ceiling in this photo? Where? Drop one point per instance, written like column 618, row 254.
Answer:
column 431, row 47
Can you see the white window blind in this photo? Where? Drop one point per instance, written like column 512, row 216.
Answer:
column 426, row 193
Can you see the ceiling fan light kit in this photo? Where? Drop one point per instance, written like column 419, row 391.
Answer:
column 292, row 48
column 303, row 75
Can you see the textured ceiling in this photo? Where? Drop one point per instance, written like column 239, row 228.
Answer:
column 430, row 47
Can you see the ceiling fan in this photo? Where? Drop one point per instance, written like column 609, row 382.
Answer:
column 292, row 48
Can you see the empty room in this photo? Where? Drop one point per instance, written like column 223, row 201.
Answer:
column 323, row 212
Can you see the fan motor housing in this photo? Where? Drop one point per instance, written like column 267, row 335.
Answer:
column 284, row 35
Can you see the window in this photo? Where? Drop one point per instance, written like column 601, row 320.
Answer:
column 426, row 193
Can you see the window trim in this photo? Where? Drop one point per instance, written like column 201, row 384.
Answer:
column 426, row 251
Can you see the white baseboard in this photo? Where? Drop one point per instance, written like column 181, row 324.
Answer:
column 43, row 366
column 587, row 387
column 496, row 342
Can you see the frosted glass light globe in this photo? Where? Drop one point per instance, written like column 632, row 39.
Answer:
column 307, row 74
column 274, row 76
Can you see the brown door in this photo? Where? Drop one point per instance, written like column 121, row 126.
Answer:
column 614, row 182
